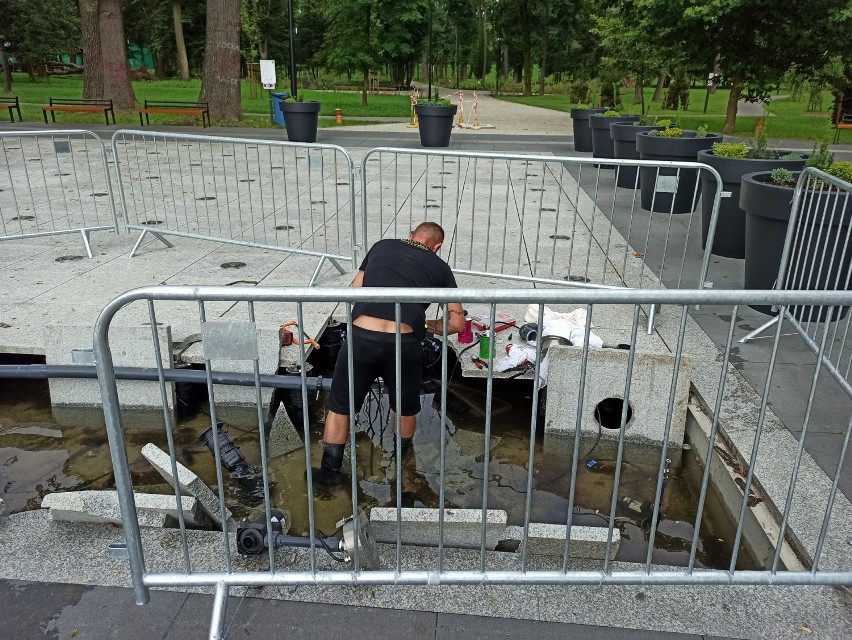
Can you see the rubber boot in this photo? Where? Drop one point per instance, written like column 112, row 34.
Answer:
column 328, row 474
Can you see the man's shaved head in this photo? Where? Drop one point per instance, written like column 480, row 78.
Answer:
column 429, row 233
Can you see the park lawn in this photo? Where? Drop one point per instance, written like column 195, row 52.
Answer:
column 790, row 119
column 34, row 94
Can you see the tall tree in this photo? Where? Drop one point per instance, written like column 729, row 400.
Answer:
column 93, row 60
column 351, row 40
column 180, row 45
column 220, row 84
column 117, row 85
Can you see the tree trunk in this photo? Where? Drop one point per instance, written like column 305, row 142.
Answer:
column 542, row 72
column 159, row 66
column 639, row 91
column 7, row 70
column 220, row 85
column 114, row 50
column 93, row 61
column 484, row 40
column 505, row 60
column 733, row 99
column 365, row 87
column 183, row 63
column 526, row 38
column 31, row 71
column 658, row 92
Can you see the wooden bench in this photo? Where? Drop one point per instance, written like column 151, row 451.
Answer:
column 86, row 106
column 843, row 122
column 189, row 108
column 13, row 105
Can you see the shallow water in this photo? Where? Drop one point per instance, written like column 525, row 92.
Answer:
column 38, row 456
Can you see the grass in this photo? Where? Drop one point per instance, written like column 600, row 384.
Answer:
column 34, row 94
column 791, row 120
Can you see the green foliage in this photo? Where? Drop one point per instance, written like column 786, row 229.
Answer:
column 39, row 30
column 436, row 102
column 793, row 155
column 664, row 122
column 783, row 177
column 669, row 132
column 611, row 113
column 822, row 158
column 701, row 131
column 730, row 149
column 841, row 170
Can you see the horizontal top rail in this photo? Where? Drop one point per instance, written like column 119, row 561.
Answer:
column 50, row 132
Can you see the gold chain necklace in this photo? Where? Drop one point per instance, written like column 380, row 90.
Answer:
column 415, row 243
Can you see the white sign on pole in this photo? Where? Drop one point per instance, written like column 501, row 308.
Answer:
column 267, row 74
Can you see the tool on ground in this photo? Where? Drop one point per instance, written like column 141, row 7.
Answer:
column 479, row 362
column 256, row 536
column 286, row 338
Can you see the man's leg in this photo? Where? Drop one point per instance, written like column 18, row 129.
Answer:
column 334, row 438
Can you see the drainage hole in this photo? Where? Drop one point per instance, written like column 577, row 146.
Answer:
column 559, row 236
column 23, row 218
column 232, row 265
column 68, row 258
column 206, row 198
column 151, row 223
column 608, row 413
column 577, row 279
column 284, row 227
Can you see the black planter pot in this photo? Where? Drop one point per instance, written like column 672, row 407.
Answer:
column 624, row 147
column 435, row 123
column 301, row 120
column 582, row 130
column 767, row 210
column 731, row 223
column 602, row 146
column 675, row 194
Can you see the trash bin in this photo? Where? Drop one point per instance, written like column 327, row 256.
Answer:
column 277, row 114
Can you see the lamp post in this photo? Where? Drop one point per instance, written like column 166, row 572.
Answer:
column 292, row 51
column 429, row 52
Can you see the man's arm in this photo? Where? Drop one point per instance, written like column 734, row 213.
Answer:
column 455, row 320
column 358, row 280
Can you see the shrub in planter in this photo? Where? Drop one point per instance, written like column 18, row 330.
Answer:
column 733, row 160
column 819, row 242
column 582, row 131
column 671, row 190
column 624, row 145
column 301, row 119
column 599, row 123
column 435, row 122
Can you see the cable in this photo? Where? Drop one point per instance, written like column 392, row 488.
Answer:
column 322, row 540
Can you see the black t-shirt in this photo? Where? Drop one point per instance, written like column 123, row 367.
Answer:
column 393, row 263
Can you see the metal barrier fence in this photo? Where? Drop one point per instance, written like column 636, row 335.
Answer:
column 531, row 487
column 543, row 218
column 285, row 196
column 53, row 183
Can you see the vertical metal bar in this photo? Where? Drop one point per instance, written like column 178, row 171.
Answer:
column 488, row 225
column 531, row 454
column 714, row 428
column 220, row 605
column 223, row 512
column 350, row 367
column 397, row 356
column 619, row 456
column 756, row 444
column 443, row 445
column 666, row 433
column 521, row 241
column 831, row 496
column 170, row 438
column 578, row 428
column 506, row 215
column 552, row 273
column 534, row 266
column 486, row 455
column 306, row 434
column 473, row 213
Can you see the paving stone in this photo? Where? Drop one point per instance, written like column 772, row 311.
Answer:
column 462, row 527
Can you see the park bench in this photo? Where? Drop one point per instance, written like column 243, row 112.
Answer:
column 189, row 108
column 83, row 106
column 13, row 105
column 843, row 122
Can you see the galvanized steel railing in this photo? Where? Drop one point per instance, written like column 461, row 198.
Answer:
column 276, row 195
column 237, row 342
column 54, row 183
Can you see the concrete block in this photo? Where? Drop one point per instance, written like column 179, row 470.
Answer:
column 549, row 540
column 103, row 507
column 283, row 436
column 462, row 527
column 605, row 379
column 2, row 506
column 189, row 482
column 131, row 347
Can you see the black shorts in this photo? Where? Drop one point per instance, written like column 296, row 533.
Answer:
column 373, row 357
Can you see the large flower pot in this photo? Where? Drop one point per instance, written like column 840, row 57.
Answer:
column 730, row 224
column 602, row 146
column 301, row 120
column 435, row 123
column 820, row 254
column 582, row 130
column 670, row 190
column 623, row 136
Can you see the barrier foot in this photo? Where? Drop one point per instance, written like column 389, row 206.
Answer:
column 85, row 235
column 337, row 266
column 142, row 236
column 652, row 314
column 759, row 330
column 220, row 604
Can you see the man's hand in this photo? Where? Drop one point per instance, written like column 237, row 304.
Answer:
column 455, row 321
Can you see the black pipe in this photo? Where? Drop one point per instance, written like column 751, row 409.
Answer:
column 44, row 371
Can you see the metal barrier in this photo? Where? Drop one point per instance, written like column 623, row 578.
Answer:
column 284, row 196
column 53, row 183
column 789, row 560
column 545, row 219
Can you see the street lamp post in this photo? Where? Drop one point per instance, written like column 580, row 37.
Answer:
column 292, row 51
column 429, row 52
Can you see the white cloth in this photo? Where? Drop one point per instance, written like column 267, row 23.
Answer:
column 571, row 326
column 520, row 354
